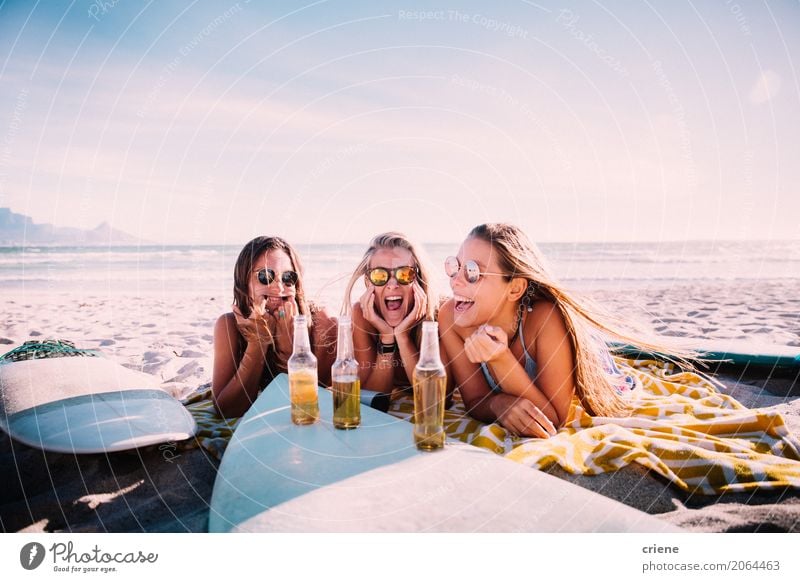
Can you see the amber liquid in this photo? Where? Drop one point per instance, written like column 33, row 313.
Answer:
column 303, row 396
column 346, row 402
column 429, row 392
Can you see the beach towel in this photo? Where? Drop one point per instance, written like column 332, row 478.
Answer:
column 213, row 431
column 682, row 428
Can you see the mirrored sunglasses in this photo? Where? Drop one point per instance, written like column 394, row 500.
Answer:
column 379, row 276
column 472, row 272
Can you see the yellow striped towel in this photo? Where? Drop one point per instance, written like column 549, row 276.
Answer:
column 682, row 428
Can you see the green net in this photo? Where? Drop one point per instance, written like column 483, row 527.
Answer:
column 42, row 349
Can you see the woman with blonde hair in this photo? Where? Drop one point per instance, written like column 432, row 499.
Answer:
column 520, row 345
column 386, row 320
column 253, row 342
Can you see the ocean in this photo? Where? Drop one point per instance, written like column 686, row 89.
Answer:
column 207, row 270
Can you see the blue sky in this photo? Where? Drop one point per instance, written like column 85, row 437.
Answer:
column 210, row 122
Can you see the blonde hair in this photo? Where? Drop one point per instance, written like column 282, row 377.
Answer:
column 393, row 240
column 519, row 257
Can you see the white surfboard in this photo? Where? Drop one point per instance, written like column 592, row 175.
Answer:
column 87, row 404
column 278, row 477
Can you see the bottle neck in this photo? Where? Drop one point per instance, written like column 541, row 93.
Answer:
column 344, row 341
column 429, row 350
column 301, row 341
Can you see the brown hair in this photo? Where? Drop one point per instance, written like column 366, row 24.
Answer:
column 519, row 257
column 244, row 266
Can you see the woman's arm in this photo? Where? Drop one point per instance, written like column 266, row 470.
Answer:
column 376, row 371
column 237, row 376
column 405, row 332
column 519, row 415
column 466, row 376
column 549, row 341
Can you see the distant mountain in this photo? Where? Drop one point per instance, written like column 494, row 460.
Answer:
column 18, row 229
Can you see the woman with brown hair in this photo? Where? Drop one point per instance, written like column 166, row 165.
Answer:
column 254, row 341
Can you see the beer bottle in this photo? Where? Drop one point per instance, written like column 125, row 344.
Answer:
column 346, row 384
column 430, row 383
column 303, row 376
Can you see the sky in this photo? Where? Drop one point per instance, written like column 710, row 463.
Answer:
column 331, row 121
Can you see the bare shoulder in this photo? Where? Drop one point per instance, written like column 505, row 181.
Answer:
column 544, row 318
column 227, row 338
column 357, row 312
column 324, row 321
column 360, row 323
column 545, row 313
column 226, row 323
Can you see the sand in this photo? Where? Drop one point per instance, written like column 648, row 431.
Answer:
column 170, row 337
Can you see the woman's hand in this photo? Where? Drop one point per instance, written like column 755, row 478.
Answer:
column 367, row 302
column 259, row 328
column 416, row 314
column 283, row 317
column 523, row 418
column 487, row 343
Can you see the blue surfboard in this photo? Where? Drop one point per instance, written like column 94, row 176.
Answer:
column 735, row 353
column 278, row 477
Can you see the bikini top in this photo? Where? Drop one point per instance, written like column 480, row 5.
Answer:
column 622, row 382
column 530, row 364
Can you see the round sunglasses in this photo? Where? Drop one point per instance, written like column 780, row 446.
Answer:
column 472, row 272
column 267, row 277
column 379, row 276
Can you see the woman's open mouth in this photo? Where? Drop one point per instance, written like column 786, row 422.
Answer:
column 393, row 302
column 462, row 304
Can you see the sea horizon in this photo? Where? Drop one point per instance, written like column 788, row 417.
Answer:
column 206, row 269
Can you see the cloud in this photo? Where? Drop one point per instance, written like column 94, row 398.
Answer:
column 767, row 86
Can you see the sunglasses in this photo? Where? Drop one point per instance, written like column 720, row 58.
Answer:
column 379, row 276
column 267, row 277
column 472, row 272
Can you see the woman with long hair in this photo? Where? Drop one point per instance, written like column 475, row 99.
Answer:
column 399, row 295
column 253, row 342
column 521, row 346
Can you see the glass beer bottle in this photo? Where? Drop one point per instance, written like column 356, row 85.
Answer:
column 303, row 376
column 430, row 383
column 344, row 373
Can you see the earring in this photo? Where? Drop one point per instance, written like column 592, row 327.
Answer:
column 530, row 294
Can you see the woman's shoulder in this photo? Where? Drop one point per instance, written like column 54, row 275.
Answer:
column 226, row 320
column 544, row 316
column 359, row 321
column 225, row 329
column 544, row 312
column 320, row 313
column 322, row 319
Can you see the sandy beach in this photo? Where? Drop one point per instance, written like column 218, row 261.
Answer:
column 170, row 337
